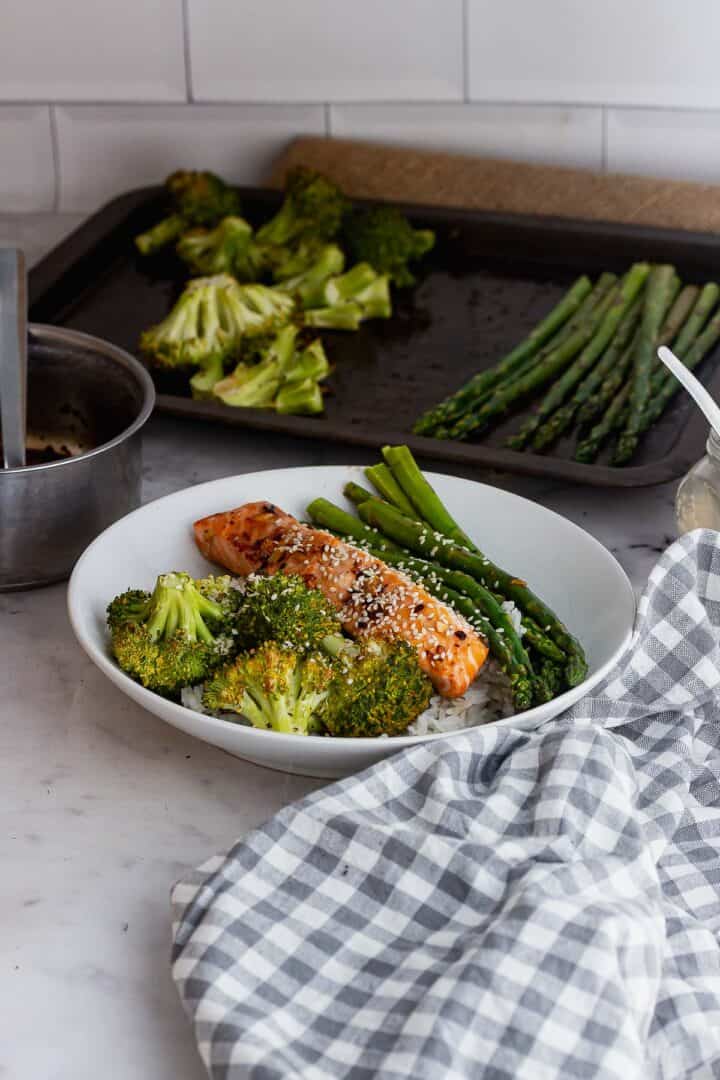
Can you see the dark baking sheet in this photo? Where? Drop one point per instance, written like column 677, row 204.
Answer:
column 489, row 280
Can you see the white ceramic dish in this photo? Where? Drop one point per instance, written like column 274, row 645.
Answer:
column 572, row 572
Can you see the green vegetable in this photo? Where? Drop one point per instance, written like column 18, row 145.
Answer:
column 422, row 496
column 174, row 636
column 589, row 394
column 424, row 541
column 629, row 288
column 274, row 688
column 308, row 286
column 661, row 283
column 387, row 486
column 310, row 363
column 549, row 365
column 302, row 398
column 698, row 317
column 198, row 198
column 588, row 449
column 339, row 317
column 254, row 386
column 378, row 688
column 313, row 210
column 284, row 609
column 210, row 320
column 454, row 405
column 228, row 248
column 384, row 238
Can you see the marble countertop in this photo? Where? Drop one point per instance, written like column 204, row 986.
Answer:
column 104, row 806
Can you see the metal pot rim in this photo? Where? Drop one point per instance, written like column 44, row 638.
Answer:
column 60, row 334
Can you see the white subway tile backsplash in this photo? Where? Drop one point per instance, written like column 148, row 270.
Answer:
column 320, row 50
column 634, row 52
column 527, row 133
column 27, row 173
column 102, row 50
column 679, row 144
column 107, row 150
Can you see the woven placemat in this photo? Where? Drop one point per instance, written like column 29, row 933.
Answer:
column 369, row 170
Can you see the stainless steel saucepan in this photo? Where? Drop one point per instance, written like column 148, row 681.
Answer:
column 87, row 401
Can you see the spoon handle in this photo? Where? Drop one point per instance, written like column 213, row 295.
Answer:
column 694, row 387
column 13, row 356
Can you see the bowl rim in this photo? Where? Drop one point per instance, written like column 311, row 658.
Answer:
column 144, row 696
column 61, row 334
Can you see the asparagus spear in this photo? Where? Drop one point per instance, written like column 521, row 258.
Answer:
column 424, row 541
column 356, row 493
column 588, row 449
column 616, row 357
column 427, row 504
column 484, row 380
column 538, row 376
column 630, row 286
column 668, row 386
column 659, row 286
column 675, row 318
column 385, row 483
column 698, row 317
column 443, row 431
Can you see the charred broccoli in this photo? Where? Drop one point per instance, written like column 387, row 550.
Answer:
column 176, row 635
column 345, row 300
column 383, row 237
column 274, row 688
column 281, row 377
column 254, row 385
column 284, row 609
column 210, row 319
column 198, row 198
column 379, row 688
column 288, row 262
column 228, row 248
column 309, row 284
column 313, row 209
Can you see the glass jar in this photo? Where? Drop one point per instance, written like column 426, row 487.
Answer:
column 697, row 503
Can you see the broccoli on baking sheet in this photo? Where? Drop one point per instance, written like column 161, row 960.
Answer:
column 226, row 249
column 383, row 237
column 313, row 209
column 197, row 198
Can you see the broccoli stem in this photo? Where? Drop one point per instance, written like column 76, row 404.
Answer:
column 159, row 236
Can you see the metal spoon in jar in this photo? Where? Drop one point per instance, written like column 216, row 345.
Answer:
column 13, row 356
column 694, row 387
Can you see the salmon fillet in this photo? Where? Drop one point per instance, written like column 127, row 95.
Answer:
column 373, row 600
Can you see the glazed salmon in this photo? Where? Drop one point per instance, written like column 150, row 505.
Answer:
column 373, row 599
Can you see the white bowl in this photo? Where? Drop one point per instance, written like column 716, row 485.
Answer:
column 569, row 569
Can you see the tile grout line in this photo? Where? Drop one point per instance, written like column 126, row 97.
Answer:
column 185, row 9
column 445, row 103
column 466, row 50
column 55, row 148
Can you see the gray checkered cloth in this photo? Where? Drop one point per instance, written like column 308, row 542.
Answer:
column 501, row 904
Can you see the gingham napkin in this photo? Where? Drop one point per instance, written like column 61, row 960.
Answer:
column 502, row 904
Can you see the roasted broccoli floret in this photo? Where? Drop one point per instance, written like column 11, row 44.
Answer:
column 274, row 688
column 313, row 209
column 284, row 609
column 176, row 635
column 254, row 385
column 197, row 198
column 345, row 300
column 309, row 285
column 309, row 363
column 210, row 319
column 379, row 688
column 287, row 262
column 300, row 398
column 383, row 237
column 228, row 248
